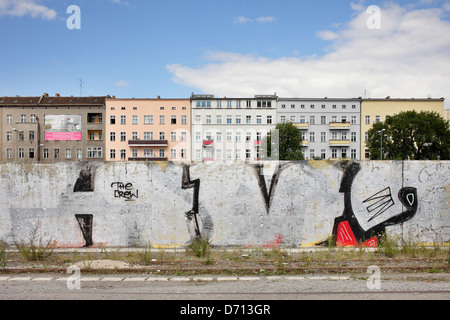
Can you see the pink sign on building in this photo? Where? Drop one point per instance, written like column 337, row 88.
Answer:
column 63, row 136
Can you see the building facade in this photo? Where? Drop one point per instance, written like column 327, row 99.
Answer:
column 52, row 128
column 330, row 127
column 230, row 129
column 147, row 129
column 376, row 110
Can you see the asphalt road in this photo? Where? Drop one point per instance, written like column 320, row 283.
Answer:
column 400, row 286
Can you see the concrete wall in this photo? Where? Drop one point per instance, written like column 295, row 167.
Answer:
column 295, row 204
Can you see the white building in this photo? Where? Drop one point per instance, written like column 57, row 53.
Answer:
column 330, row 127
column 230, row 128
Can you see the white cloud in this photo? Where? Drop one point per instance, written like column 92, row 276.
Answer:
column 122, row 83
column 265, row 19
column 243, row 20
column 408, row 57
column 22, row 8
column 327, row 35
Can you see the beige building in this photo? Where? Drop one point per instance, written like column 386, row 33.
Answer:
column 447, row 114
column 52, row 128
column 147, row 129
column 376, row 110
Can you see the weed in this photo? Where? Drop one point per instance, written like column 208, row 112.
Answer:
column 3, row 255
column 199, row 247
column 35, row 249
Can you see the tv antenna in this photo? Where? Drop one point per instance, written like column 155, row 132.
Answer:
column 81, row 87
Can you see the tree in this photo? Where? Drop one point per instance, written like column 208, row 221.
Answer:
column 290, row 142
column 410, row 135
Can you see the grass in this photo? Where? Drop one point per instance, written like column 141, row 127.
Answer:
column 35, row 249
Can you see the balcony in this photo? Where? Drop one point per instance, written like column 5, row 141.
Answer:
column 302, row 126
column 208, row 143
column 148, row 159
column 339, row 125
column 339, row 143
column 148, row 143
column 258, row 143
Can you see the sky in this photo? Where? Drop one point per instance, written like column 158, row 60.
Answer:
column 234, row 48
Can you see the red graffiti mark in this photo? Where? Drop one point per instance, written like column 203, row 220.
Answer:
column 274, row 243
column 346, row 238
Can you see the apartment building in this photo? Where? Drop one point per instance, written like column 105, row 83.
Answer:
column 330, row 127
column 147, row 129
column 52, row 128
column 375, row 110
column 230, row 128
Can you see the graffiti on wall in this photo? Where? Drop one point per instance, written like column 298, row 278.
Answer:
column 124, row 191
column 192, row 215
column 347, row 230
column 267, row 194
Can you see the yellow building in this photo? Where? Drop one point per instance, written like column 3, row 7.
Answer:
column 376, row 110
column 447, row 114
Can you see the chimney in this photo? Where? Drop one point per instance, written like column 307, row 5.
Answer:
column 113, row 97
column 388, row 97
column 57, row 95
column 159, row 97
column 45, row 94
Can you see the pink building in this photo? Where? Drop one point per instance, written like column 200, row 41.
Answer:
column 147, row 130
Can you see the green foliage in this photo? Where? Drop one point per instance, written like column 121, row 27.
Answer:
column 411, row 135
column 35, row 249
column 290, row 142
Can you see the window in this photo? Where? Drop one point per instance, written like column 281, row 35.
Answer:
column 33, row 118
column 229, row 104
column 198, row 119
column 311, row 136
column 112, row 153
column 56, row 153
column 162, row 153
column 208, row 119
column 344, row 106
column 23, row 118
column 123, row 154
column 334, row 153
column 269, row 119
column 219, row 119
column 21, row 153
column 112, row 136
column 367, row 154
column 123, row 136
column 323, row 120
column 162, row 136
column 333, row 135
column 173, row 136
column 68, row 153
column 344, row 136
column 9, row 136
column 112, row 120
column 229, row 120
column 123, row 119
column 312, row 120
column 353, row 106
column 173, row 153
column 9, row 119
column 219, row 104
column 94, row 152
column 238, row 119
column 323, row 136
column 183, row 119
column 79, row 153
column 238, row 103
column 184, row 136
column 311, row 154
column 134, row 153
column 183, row 153
column 258, row 119
column 283, row 119
column 377, row 119
column 219, row 154
column 312, row 106
column 353, row 121
column 248, row 136
column 9, row 153
column 238, row 136
column 134, row 136
column 148, row 119
column 45, row 154
column 293, row 119
column 248, row 119
column 219, row 136
column 353, row 136
column 344, row 153
column 229, row 136
column 135, row 120
column 148, row 153
column 162, row 119
column 198, row 136
column 31, row 135
column 353, row 154
column 367, row 119
column 264, row 104
column 292, row 106
column 323, row 154
column 323, row 106
column 173, row 119
column 31, row 153
column 248, row 154
column 249, row 103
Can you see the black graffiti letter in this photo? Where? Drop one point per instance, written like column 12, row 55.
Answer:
column 85, row 222
column 191, row 215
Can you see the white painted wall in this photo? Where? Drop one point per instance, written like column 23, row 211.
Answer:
column 232, row 209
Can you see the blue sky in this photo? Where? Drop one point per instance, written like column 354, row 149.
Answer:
column 137, row 48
